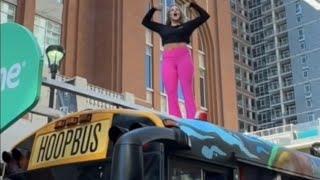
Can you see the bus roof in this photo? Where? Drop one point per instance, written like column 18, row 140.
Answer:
column 213, row 143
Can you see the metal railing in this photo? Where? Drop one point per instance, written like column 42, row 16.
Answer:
column 87, row 96
column 291, row 134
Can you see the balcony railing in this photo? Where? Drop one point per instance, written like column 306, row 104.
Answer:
column 291, row 135
column 266, row 7
column 282, row 28
column 287, row 82
column 288, row 97
column 278, row 3
column 92, row 103
column 281, row 15
column 285, row 54
column 275, row 101
column 290, row 111
column 286, row 68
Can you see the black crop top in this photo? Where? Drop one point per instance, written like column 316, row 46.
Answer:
column 180, row 33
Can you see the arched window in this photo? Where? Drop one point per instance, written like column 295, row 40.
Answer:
column 202, row 73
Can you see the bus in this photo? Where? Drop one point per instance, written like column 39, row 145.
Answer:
column 124, row 144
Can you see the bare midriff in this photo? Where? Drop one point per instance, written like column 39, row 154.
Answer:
column 172, row 46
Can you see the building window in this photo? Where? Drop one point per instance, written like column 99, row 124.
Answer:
column 300, row 34
column 308, row 102
column 310, row 116
column 298, row 7
column 163, row 104
column 48, row 23
column 47, row 33
column 299, row 18
column 149, row 67
column 307, row 89
column 50, row 9
column 8, row 12
column 303, row 60
column 166, row 4
column 303, row 45
column 305, row 73
column 202, row 71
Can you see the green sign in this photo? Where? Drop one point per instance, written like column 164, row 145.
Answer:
column 21, row 72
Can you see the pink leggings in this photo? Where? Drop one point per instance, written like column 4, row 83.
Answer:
column 177, row 65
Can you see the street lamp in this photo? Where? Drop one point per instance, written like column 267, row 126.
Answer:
column 55, row 54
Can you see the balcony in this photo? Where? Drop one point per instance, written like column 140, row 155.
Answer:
column 266, row 7
column 292, row 136
column 281, row 15
column 276, row 114
column 281, row 28
column 283, row 41
column 285, row 68
column 278, row 3
column 273, row 73
column 285, row 54
column 268, row 32
column 275, row 101
column 288, row 97
column 274, row 86
column 267, row 21
column 287, row 81
column 290, row 110
column 270, row 58
column 269, row 46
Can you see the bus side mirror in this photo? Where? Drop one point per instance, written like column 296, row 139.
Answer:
column 21, row 157
column 12, row 166
column 6, row 157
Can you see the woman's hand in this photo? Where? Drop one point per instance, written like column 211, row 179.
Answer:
column 189, row 3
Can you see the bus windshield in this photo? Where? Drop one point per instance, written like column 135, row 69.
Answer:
column 89, row 171
column 77, row 147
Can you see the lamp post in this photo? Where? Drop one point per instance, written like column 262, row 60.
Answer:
column 55, row 54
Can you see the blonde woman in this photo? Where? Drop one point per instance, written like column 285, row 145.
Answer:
column 177, row 64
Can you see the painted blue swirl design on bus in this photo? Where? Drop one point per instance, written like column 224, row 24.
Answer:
column 204, row 131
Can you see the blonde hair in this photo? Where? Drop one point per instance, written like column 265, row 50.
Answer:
column 182, row 15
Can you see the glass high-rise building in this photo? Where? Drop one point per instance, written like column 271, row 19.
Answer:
column 277, row 61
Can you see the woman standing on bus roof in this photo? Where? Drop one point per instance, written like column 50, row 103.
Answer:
column 177, row 62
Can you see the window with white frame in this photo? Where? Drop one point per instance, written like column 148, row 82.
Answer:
column 8, row 12
column 166, row 4
column 299, row 18
column 310, row 116
column 202, row 77
column 305, row 72
column 308, row 102
column 163, row 99
column 48, row 23
column 298, row 7
column 303, row 60
column 300, row 34
column 149, row 67
column 47, row 33
column 303, row 45
column 202, row 73
column 307, row 89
